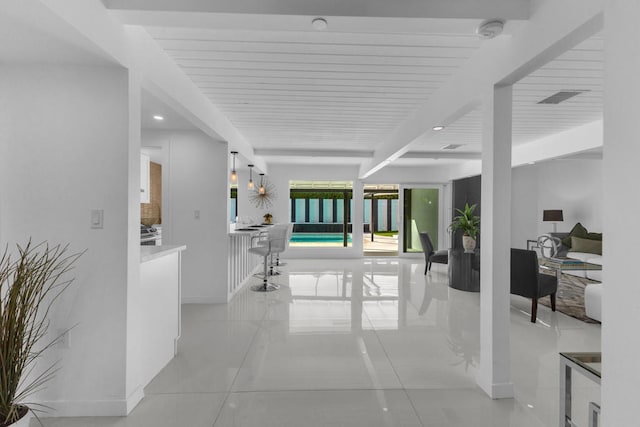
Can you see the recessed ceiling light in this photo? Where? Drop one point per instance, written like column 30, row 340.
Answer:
column 437, row 128
column 158, row 118
column 531, row 163
column 319, row 23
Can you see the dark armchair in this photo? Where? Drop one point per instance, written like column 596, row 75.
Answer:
column 527, row 281
column 430, row 255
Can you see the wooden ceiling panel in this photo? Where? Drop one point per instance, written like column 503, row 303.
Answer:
column 344, row 91
column 284, row 89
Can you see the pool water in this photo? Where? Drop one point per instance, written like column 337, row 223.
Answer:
column 319, row 238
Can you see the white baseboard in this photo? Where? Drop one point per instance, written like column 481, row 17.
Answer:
column 495, row 390
column 134, row 398
column 203, row 300
column 94, row 408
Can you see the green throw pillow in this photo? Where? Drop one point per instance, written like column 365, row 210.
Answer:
column 594, row 236
column 586, row 245
column 577, row 231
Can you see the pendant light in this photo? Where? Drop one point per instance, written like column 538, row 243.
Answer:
column 261, row 188
column 234, row 174
column 250, row 186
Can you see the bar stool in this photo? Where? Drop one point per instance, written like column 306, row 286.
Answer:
column 278, row 247
column 285, row 246
column 274, row 240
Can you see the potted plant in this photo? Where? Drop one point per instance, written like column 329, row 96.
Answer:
column 469, row 224
column 29, row 285
column 267, row 218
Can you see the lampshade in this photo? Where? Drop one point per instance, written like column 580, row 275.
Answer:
column 553, row 215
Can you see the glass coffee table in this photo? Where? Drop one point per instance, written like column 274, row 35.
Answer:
column 567, row 264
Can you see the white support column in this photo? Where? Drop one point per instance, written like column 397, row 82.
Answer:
column 494, row 375
column 620, row 307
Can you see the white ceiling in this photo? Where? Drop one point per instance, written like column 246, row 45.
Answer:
column 580, row 68
column 152, row 106
column 303, row 96
column 315, row 90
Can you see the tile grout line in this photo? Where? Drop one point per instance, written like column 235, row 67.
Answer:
column 403, row 388
column 384, row 350
column 244, row 359
column 395, row 372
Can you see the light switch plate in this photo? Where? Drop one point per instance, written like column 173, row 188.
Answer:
column 97, row 218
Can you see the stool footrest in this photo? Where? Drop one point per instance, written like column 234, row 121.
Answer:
column 269, row 287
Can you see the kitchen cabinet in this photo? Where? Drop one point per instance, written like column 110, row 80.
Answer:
column 159, row 320
column 145, row 179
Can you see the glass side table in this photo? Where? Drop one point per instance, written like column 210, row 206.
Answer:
column 587, row 364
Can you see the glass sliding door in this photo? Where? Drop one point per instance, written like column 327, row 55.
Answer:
column 421, row 213
column 380, row 219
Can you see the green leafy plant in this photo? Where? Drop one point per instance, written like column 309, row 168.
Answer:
column 466, row 221
column 29, row 286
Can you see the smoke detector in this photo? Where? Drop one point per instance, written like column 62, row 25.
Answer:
column 319, row 24
column 490, row 29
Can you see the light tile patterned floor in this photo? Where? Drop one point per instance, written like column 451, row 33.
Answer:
column 369, row 342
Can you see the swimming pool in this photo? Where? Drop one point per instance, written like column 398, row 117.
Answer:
column 319, row 238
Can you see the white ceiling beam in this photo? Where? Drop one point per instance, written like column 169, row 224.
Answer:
column 441, row 155
column 313, row 153
column 555, row 27
column 454, row 9
column 579, row 139
column 586, row 138
column 273, row 24
column 163, row 78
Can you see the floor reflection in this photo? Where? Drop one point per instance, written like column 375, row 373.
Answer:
column 372, row 342
column 377, row 295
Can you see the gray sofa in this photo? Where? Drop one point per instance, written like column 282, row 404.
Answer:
column 592, row 258
column 592, row 292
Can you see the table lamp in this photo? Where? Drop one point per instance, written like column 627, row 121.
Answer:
column 553, row 215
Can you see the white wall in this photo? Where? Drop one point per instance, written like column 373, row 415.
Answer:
column 524, row 205
column 64, row 150
column 195, row 179
column 575, row 186
column 437, row 174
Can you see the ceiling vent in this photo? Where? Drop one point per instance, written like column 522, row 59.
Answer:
column 561, row 96
column 451, row 146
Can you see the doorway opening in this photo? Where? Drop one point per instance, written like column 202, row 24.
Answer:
column 380, row 236
column 421, row 214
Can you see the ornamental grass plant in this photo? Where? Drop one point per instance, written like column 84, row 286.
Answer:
column 30, row 283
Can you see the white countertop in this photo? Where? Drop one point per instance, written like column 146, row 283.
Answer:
column 147, row 253
column 249, row 231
